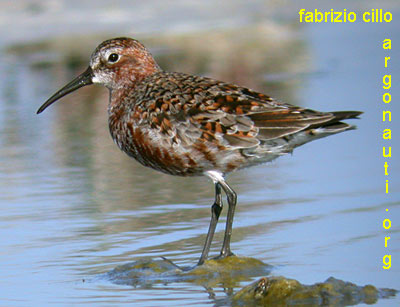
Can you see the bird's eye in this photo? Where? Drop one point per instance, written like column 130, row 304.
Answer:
column 113, row 57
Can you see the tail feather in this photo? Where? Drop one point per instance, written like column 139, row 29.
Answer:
column 337, row 117
column 285, row 144
column 327, row 128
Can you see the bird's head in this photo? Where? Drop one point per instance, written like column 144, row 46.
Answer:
column 116, row 63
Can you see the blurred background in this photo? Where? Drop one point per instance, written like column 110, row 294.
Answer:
column 72, row 206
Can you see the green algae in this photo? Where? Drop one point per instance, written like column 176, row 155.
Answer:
column 280, row 291
column 231, row 272
column 227, row 272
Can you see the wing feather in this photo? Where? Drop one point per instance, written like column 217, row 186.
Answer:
column 204, row 109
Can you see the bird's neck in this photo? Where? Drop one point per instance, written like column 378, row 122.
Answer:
column 117, row 98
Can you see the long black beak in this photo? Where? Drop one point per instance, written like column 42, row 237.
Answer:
column 82, row 80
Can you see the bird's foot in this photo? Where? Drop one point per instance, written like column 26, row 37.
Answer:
column 223, row 255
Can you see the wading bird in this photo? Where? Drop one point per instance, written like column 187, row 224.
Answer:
column 187, row 125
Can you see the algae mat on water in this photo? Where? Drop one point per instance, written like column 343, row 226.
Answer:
column 229, row 272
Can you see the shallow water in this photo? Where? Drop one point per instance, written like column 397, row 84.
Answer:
column 73, row 207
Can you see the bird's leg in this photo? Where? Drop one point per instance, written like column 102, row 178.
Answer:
column 231, row 195
column 215, row 212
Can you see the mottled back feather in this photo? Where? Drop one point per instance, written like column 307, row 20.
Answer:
column 184, row 111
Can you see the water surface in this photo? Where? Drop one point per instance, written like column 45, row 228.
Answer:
column 74, row 207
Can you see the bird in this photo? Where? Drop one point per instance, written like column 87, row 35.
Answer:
column 187, row 125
